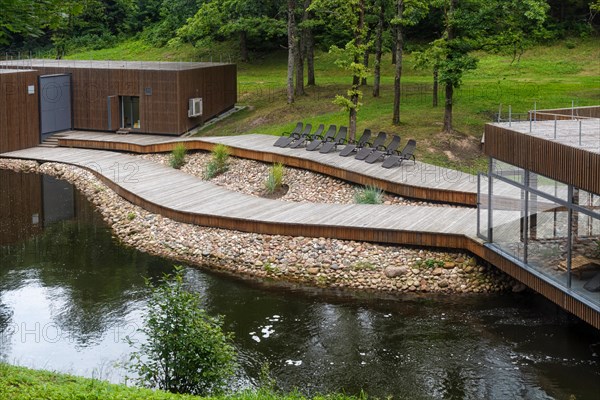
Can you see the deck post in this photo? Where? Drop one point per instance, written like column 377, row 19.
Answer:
column 580, row 132
column 569, row 236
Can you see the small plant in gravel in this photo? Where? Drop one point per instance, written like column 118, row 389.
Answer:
column 219, row 162
column 275, row 179
column 131, row 216
column 177, row 159
column 368, row 195
column 363, row 266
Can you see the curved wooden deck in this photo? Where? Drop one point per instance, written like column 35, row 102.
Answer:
column 415, row 180
column 185, row 198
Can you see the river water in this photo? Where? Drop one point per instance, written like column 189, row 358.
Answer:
column 69, row 294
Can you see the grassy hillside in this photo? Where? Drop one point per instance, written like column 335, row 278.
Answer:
column 20, row 383
column 551, row 76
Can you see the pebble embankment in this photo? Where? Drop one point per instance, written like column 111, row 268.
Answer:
column 318, row 262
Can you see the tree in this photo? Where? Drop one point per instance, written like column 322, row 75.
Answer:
column 292, row 44
column 350, row 58
column 186, row 350
column 471, row 25
column 381, row 6
column 408, row 13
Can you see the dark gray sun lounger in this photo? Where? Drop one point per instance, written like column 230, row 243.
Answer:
column 306, row 137
column 296, row 136
column 406, row 154
column 369, row 147
column 354, row 146
column 284, row 138
column 339, row 139
column 316, row 141
column 384, row 151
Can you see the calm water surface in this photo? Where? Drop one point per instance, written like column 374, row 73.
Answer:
column 69, row 294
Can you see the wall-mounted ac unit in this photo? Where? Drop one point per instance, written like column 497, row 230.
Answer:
column 195, row 107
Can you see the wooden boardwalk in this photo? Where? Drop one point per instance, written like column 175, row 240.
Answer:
column 185, row 198
column 415, row 180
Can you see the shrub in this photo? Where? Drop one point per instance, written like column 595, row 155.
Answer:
column 275, row 179
column 368, row 195
column 177, row 159
column 218, row 163
column 186, row 350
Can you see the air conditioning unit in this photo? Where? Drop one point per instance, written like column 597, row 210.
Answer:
column 195, row 107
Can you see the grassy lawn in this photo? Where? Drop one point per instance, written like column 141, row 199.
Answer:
column 25, row 384
column 548, row 76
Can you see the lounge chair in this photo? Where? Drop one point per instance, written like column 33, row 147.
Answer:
column 297, row 136
column 316, row 141
column 306, row 138
column 355, row 145
column 383, row 151
column 340, row 138
column 406, row 154
column 369, row 147
column 284, row 138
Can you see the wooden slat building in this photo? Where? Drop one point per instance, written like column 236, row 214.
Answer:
column 168, row 98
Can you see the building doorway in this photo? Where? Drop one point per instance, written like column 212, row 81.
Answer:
column 130, row 112
column 55, row 104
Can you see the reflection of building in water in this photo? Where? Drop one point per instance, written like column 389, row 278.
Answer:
column 30, row 202
column 540, row 202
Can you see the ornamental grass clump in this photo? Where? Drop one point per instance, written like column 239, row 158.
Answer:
column 275, row 179
column 368, row 195
column 219, row 162
column 186, row 350
column 177, row 159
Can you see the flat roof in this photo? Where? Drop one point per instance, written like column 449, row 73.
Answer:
column 14, row 71
column 109, row 64
column 579, row 133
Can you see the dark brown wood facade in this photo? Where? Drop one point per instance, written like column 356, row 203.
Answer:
column 560, row 162
column 21, row 214
column 19, row 110
column 163, row 90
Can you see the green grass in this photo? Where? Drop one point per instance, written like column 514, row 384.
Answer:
column 550, row 76
column 20, row 383
column 368, row 195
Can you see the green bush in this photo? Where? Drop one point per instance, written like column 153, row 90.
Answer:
column 177, row 159
column 219, row 162
column 186, row 350
column 275, row 178
column 368, row 195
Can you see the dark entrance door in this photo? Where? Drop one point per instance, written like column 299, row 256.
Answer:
column 55, row 104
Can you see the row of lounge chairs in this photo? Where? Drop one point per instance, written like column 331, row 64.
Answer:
column 361, row 149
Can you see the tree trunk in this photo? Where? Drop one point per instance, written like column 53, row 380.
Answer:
column 309, row 47
column 378, row 51
column 398, row 69
column 310, row 59
column 291, row 50
column 244, row 47
column 394, row 34
column 449, row 84
column 448, row 108
column 356, row 79
column 299, row 67
column 363, row 82
column 435, row 86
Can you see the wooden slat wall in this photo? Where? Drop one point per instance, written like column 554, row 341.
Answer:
column 19, row 206
column 563, row 163
column 587, row 112
column 217, row 85
column 19, row 111
column 162, row 112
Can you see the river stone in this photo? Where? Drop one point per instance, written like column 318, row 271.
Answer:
column 437, row 272
column 518, row 287
column 393, row 272
column 443, row 284
column 313, row 270
column 449, row 265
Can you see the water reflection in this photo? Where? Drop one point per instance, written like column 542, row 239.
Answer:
column 69, row 294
